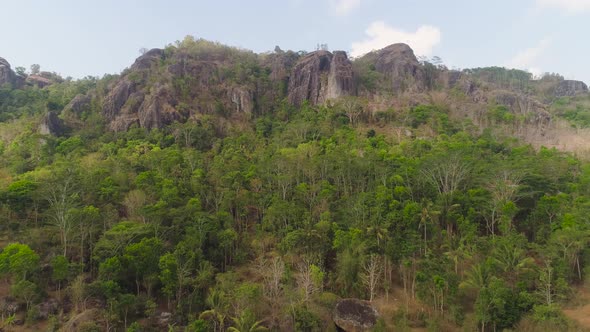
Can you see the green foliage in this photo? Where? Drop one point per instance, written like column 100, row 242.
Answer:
column 306, row 320
column 18, row 260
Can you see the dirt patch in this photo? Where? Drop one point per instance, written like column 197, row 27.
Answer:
column 581, row 312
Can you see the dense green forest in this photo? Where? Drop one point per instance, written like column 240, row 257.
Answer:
column 263, row 222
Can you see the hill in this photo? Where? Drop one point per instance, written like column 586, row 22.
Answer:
column 209, row 188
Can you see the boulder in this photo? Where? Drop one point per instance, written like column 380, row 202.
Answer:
column 38, row 81
column 353, row 315
column 569, row 88
column 47, row 308
column 320, row 76
column 6, row 73
column 9, row 306
column 164, row 319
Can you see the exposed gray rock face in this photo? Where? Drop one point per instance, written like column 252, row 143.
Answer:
column 533, row 111
column 242, row 99
column 51, row 125
column 48, row 308
column 399, row 65
column 79, row 105
column 117, row 98
column 156, row 111
column 320, row 76
column 353, row 315
column 6, row 73
column 569, row 88
column 38, row 81
column 280, row 64
column 148, row 59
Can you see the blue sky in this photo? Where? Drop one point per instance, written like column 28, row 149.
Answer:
column 78, row 38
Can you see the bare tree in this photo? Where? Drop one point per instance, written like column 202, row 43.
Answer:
column 447, row 174
column 273, row 272
column 306, row 281
column 62, row 196
column 353, row 108
column 503, row 188
column 371, row 274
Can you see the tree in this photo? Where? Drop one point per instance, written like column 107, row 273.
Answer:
column 26, row 291
column 59, row 271
column 62, row 196
column 246, row 322
column 19, row 261
column 503, row 189
column 371, row 275
column 353, row 108
column 143, row 258
column 35, row 69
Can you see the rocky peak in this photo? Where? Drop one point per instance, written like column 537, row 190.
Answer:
column 320, row 76
column 6, row 73
column 400, row 66
column 146, row 60
column 568, row 88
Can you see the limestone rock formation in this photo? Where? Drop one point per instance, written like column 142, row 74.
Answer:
column 353, row 315
column 147, row 59
column 320, row 76
column 242, row 99
column 51, row 125
column 6, row 73
column 400, row 67
column 78, row 105
column 38, row 80
column 569, row 88
column 156, row 109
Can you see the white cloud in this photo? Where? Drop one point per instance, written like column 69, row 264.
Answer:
column 527, row 58
column 379, row 35
column 571, row 6
column 343, row 7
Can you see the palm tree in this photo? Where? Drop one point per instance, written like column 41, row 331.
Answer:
column 427, row 216
column 246, row 322
column 512, row 260
column 478, row 277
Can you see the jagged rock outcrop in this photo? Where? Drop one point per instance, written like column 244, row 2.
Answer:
column 569, row 88
column 47, row 308
column 280, row 64
column 156, row 109
column 51, row 124
column 242, row 99
column 148, row 59
column 38, row 81
column 78, row 105
column 7, row 75
column 353, row 315
column 117, row 98
column 400, row 67
column 320, row 76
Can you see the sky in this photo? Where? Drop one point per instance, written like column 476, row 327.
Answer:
column 81, row 37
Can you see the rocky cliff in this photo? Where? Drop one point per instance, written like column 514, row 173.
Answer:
column 6, row 73
column 199, row 78
column 320, row 76
column 399, row 66
column 570, row 88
